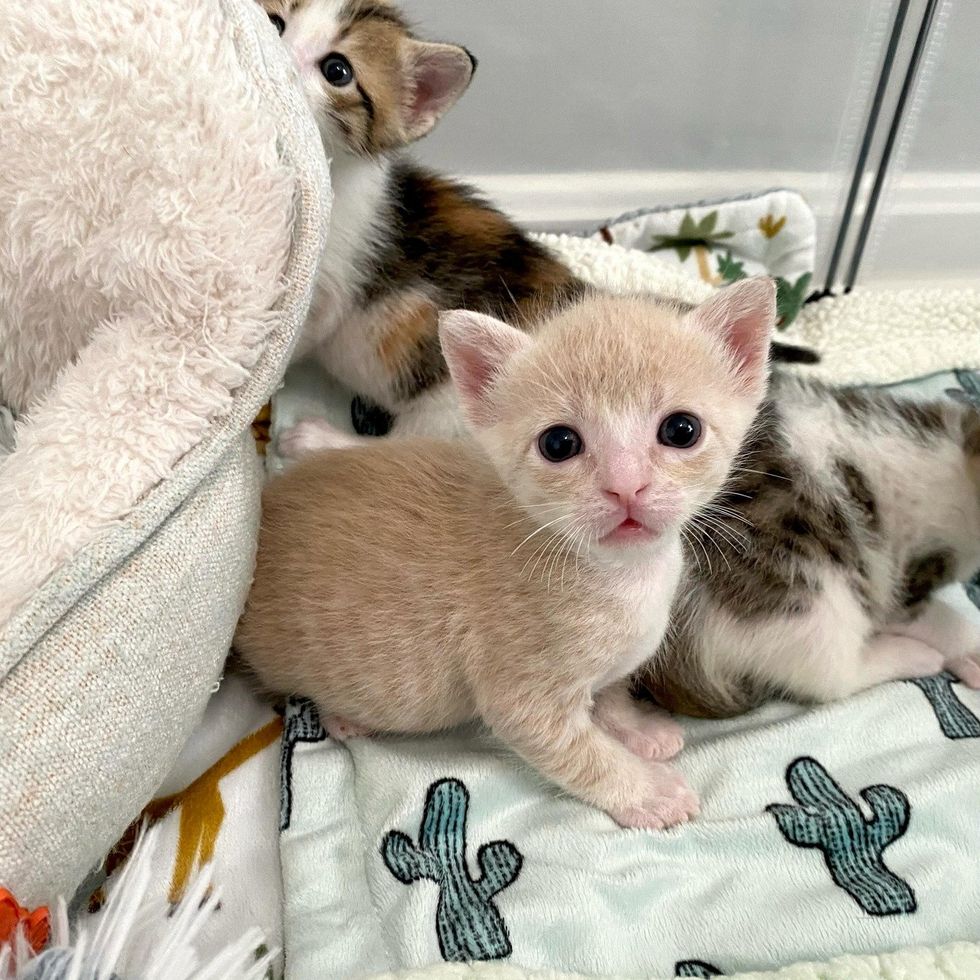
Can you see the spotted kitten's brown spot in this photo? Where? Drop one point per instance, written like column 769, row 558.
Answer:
column 776, row 534
column 857, row 488
column 971, row 432
column 856, row 405
column 926, row 420
column 924, row 574
column 693, row 694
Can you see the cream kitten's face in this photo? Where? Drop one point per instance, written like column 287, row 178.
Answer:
column 619, row 419
column 372, row 86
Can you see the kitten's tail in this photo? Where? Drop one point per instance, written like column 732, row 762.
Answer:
column 781, row 353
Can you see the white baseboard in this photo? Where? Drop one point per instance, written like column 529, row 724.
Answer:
column 928, row 225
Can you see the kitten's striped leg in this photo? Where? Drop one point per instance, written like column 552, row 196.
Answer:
column 646, row 731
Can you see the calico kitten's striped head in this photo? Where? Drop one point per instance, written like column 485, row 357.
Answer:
column 373, row 86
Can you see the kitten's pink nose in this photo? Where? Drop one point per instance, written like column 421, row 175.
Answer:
column 624, row 492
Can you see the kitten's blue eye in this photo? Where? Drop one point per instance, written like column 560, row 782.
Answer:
column 679, row 431
column 337, row 70
column 559, row 443
column 278, row 23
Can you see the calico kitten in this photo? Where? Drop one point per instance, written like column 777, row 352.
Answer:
column 404, row 243
column 522, row 576
column 811, row 575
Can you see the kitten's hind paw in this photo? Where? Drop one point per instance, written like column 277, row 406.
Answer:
column 312, row 435
column 657, row 737
column 665, row 800
column 340, row 729
column 647, row 731
column 967, row 669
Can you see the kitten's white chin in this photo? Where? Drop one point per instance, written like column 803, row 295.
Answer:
column 631, row 546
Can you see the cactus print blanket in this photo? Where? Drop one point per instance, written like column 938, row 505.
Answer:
column 845, row 829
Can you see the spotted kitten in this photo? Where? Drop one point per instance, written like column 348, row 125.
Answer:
column 404, row 242
column 812, row 575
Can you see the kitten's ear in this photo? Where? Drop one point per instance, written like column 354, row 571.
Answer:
column 477, row 347
column 744, row 316
column 437, row 75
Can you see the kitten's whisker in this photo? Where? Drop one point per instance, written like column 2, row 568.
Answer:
column 690, row 549
column 717, row 546
column 528, row 517
column 538, row 531
column 727, row 512
column 696, row 539
column 733, row 537
column 774, row 476
column 710, row 539
column 536, row 556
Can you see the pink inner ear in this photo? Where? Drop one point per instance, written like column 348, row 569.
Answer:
column 744, row 314
column 477, row 347
column 472, row 372
column 441, row 75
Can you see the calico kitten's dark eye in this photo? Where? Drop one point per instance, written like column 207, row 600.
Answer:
column 337, row 70
column 559, row 443
column 278, row 23
column 680, row 430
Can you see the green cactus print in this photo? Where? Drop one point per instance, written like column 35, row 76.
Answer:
column 828, row 820
column 692, row 234
column 696, row 968
column 790, row 296
column 468, row 924
column 955, row 719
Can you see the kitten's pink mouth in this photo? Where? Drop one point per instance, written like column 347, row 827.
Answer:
column 627, row 532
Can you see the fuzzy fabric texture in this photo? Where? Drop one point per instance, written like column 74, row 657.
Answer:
column 869, row 336
column 163, row 206
column 140, row 263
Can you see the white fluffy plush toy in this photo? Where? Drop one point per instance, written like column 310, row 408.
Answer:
column 163, row 203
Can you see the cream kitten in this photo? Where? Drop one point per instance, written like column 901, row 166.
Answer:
column 413, row 585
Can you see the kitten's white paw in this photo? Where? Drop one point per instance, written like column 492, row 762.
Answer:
column 657, row 737
column 967, row 669
column 665, row 800
column 311, row 436
column 340, row 729
column 922, row 662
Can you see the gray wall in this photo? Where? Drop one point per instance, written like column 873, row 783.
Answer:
column 668, row 101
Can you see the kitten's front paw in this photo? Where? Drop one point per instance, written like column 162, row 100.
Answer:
column 967, row 669
column 665, row 799
column 311, row 436
column 657, row 737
